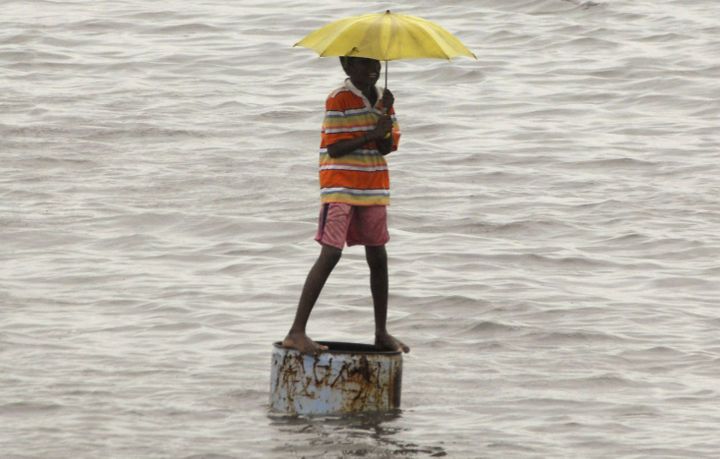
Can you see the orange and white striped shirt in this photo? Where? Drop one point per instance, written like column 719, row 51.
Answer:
column 361, row 177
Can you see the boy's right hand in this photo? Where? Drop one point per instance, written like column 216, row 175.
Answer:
column 383, row 127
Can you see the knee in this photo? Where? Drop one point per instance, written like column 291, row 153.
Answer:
column 376, row 258
column 331, row 255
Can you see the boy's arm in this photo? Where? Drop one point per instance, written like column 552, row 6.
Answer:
column 388, row 142
column 385, row 143
column 344, row 147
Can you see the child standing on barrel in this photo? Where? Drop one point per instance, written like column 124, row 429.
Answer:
column 359, row 129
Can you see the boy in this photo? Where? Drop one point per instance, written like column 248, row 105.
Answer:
column 357, row 133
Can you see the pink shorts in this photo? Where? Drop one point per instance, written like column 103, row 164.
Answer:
column 341, row 223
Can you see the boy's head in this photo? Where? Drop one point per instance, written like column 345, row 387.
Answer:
column 363, row 71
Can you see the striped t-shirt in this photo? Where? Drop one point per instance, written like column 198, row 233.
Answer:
column 359, row 178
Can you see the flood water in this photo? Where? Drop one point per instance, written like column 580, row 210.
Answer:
column 555, row 230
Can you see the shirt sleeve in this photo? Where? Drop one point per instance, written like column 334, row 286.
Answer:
column 335, row 125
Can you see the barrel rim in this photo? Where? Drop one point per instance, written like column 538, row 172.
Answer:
column 341, row 347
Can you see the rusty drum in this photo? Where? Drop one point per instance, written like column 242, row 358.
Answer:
column 347, row 378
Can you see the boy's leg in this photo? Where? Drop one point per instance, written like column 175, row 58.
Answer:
column 316, row 278
column 377, row 261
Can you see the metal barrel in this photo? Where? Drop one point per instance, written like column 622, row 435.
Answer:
column 347, row 378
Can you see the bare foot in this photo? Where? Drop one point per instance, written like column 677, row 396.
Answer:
column 302, row 343
column 386, row 342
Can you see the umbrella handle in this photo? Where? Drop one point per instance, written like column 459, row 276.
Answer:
column 386, row 69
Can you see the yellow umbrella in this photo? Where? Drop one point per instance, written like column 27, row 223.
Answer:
column 385, row 37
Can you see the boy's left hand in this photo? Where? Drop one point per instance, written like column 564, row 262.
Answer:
column 383, row 128
column 388, row 99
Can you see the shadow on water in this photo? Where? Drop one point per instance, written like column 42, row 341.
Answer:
column 376, row 435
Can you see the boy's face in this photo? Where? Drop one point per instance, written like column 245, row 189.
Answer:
column 363, row 72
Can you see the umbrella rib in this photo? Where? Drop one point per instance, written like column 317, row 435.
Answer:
column 417, row 33
column 348, row 25
column 442, row 37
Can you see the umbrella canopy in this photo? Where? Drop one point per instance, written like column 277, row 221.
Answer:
column 385, row 37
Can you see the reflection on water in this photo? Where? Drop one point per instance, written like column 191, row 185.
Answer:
column 360, row 435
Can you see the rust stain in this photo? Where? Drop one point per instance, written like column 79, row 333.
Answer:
column 363, row 384
column 320, row 382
